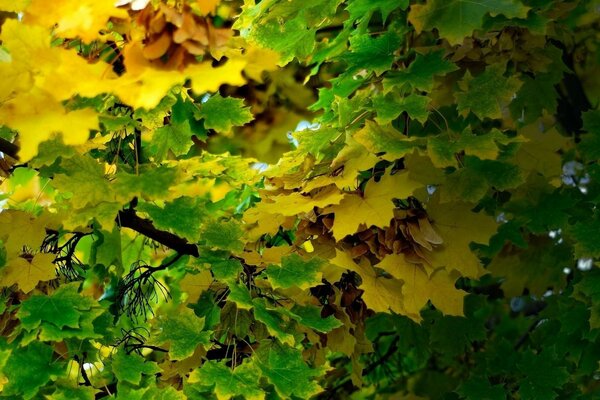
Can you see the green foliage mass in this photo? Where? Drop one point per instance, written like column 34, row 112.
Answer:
column 294, row 199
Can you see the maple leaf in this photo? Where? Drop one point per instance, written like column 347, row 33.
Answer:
column 456, row 19
column 241, row 381
column 421, row 285
column 143, row 85
column 381, row 294
column 183, row 330
column 286, row 369
column 63, row 308
column 390, row 106
column 37, row 117
column 373, row 53
column 130, row 367
column 85, row 178
column 540, row 152
column 195, row 284
column 13, row 5
column 362, row 9
column 31, row 367
column 459, row 226
column 19, row 229
column 295, row 271
column 28, row 273
column 385, row 139
column 420, row 73
column 375, row 207
column 222, row 113
column 74, row 18
column 486, row 94
column 297, row 203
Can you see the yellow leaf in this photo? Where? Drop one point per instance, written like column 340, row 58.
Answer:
column 37, row 117
column 13, row 5
column 144, row 85
column 540, row 152
column 374, row 208
column 259, row 60
column 19, row 229
column 459, row 226
column 27, row 274
column 207, row 6
column 380, row 294
column 74, row 18
column 298, row 203
column 194, row 285
column 206, row 78
column 270, row 255
column 419, row 287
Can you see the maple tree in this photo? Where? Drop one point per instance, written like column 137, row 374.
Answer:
column 287, row 199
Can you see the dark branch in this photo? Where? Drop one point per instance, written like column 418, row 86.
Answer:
column 129, row 219
column 9, row 148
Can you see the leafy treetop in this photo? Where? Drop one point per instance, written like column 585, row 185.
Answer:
column 287, row 199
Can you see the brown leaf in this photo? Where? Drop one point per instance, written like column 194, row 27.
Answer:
column 428, row 232
column 158, row 47
column 417, row 235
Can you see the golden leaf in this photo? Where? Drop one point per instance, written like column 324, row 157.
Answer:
column 374, row 208
column 28, row 273
column 459, row 226
column 74, row 18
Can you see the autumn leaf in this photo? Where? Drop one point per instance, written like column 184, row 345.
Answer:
column 375, row 207
column 26, row 274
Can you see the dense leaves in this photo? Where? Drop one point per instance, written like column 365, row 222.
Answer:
column 286, row 199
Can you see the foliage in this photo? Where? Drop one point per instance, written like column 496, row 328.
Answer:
column 282, row 199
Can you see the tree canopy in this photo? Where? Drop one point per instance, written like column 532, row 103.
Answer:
column 293, row 199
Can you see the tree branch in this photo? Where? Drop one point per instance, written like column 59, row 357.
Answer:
column 9, row 148
column 129, row 219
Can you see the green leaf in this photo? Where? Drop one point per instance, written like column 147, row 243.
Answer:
column 480, row 388
column 64, row 308
column 310, row 316
column 385, row 139
column 83, row 177
column 277, row 326
column 291, row 39
column 313, row 141
column 443, row 149
column 148, row 183
column 183, row 216
column 176, row 137
column 585, row 234
column 242, row 381
column 453, row 335
column 207, row 308
column 28, row 369
column 223, row 235
column 223, row 113
column 420, row 73
column 362, row 10
column 542, row 375
column 295, row 271
column 130, row 367
column 590, row 142
column 69, row 393
column 456, row 19
column 183, row 331
column 390, row 106
column 373, row 53
column 285, row 368
column 537, row 268
column 486, row 94
column 226, row 270
column 240, row 295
